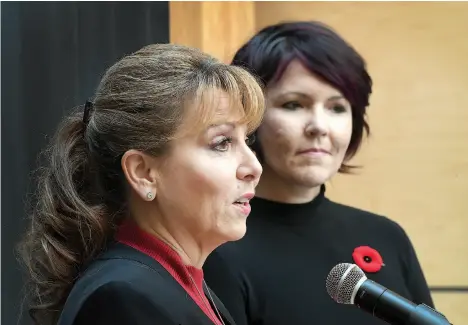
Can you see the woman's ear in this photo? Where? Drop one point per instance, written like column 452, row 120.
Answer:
column 141, row 173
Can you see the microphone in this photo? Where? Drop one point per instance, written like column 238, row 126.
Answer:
column 347, row 284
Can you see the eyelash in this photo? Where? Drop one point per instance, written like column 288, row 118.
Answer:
column 289, row 103
column 228, row 140
column 339, row 109
column 335, row 108
column 225, row 140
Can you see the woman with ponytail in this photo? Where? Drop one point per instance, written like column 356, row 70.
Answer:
column 141, row 185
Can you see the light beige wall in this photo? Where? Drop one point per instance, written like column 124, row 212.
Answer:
column 416, row 162
column 216, row 27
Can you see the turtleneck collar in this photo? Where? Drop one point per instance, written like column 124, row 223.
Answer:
column 287, row 212
column 130, row 234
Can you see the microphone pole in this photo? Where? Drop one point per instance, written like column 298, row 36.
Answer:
column 347, row 284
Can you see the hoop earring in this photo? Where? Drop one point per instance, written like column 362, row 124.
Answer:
column 149, row 195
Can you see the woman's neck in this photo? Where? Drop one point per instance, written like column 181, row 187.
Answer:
column 274, row 188
column 188, row 250
column 177, row 237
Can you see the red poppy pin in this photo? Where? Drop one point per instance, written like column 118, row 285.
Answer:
column 368, row 259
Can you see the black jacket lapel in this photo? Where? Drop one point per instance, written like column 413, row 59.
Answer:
column 227, row 318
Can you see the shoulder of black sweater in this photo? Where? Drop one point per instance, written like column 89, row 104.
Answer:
column 234, row 258
column 328, row 212
column 383, row 226
column 372, row 222
column 228, row 257
column 356, row 215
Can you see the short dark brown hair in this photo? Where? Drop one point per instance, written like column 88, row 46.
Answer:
column 323, row 52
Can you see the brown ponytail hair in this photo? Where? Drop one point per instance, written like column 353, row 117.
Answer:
column 139, row 104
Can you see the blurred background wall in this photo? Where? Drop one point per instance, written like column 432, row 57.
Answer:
column 415, row 165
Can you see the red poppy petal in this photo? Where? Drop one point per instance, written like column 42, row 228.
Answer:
column 359, row 255
column 372, row 267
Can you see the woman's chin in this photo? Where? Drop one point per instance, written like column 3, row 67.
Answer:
column 314, row 176
column 235, row 231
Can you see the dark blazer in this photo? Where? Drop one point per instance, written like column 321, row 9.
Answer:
column 126, row 287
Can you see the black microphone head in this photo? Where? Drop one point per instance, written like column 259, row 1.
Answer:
column 343, row 281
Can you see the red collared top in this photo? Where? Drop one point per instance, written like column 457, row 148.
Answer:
column 130, row 234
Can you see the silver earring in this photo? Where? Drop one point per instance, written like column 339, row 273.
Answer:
column 149, row 195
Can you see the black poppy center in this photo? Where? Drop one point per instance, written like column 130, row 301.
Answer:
column 367, row 259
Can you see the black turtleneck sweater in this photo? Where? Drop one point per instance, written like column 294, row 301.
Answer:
column 276, row 274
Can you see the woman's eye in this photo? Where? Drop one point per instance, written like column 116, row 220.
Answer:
column 223, row 144
column 338, row 108
column 293, row 105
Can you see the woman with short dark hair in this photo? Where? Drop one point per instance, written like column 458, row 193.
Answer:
column 317, row 91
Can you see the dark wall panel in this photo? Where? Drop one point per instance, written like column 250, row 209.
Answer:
column 53, row 54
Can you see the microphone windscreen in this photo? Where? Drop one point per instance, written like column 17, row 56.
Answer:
column 342, row 282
